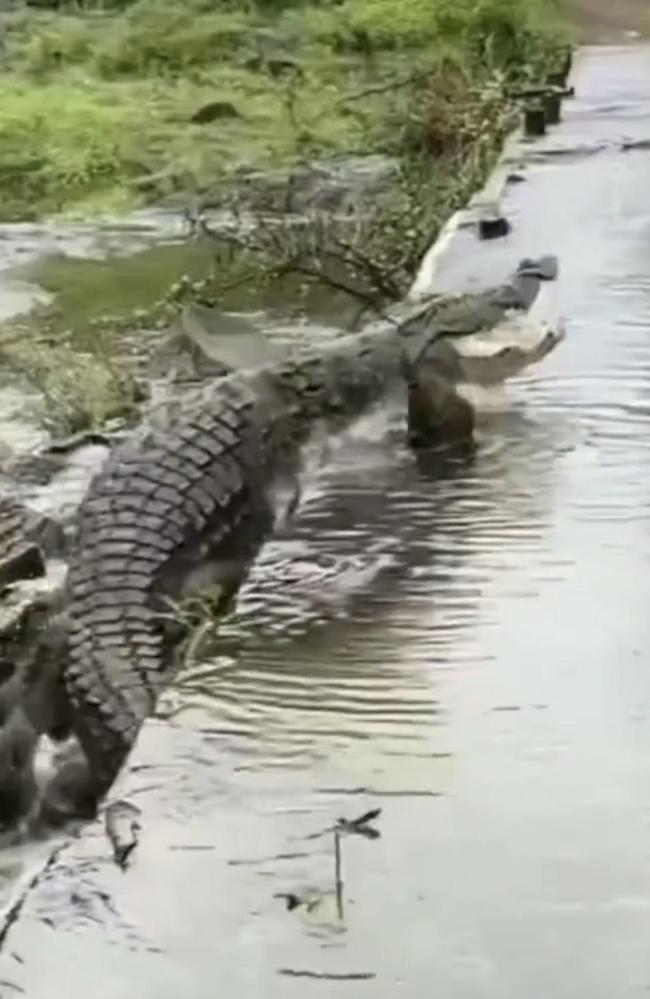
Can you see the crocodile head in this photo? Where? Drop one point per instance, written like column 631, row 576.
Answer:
column 476, row 339
column 522, row 338
column 489, row 335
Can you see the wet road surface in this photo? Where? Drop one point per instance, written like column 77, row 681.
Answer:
column 467, row 650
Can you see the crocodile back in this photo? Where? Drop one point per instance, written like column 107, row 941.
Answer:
column 158, row 505
column 183, row 497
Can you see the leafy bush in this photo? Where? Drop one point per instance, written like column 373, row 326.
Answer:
column 162, row 36
column 499, row 32
column 58, row 142
column 63, row 42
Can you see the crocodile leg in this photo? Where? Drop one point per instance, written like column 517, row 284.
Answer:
column 437, row 415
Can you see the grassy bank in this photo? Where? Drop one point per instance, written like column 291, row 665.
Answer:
column 97, row 102
column 96, row 109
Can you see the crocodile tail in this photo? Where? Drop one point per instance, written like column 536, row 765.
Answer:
column 107, row 716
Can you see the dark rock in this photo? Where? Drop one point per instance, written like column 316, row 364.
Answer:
column 493, row 228
column 276, row 66
column 552, row 108
column 215, row 111
column 534, row 121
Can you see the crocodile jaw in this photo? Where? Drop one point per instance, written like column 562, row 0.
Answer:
column 521, row 339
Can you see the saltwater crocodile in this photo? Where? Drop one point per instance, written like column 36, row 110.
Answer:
column 192, row 496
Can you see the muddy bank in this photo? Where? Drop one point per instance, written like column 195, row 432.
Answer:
column 483, row 683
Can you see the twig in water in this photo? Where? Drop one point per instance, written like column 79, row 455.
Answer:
column 361, row 826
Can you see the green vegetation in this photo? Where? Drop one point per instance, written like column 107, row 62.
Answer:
column 96, row 101
column 76, row 390
column 96, row 108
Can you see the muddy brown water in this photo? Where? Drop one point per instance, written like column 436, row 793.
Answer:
column 465, row 647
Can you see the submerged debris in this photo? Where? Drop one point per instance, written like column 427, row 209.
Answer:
column 294, row 901
column 122, row 825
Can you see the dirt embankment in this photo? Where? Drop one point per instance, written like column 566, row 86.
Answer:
column 607, row 21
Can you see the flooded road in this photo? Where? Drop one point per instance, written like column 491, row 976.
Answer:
column 464, row 647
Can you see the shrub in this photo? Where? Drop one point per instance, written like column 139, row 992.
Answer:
column 58, row 142
column 161, row 36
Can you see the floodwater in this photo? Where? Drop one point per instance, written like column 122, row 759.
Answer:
column 465, row 647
